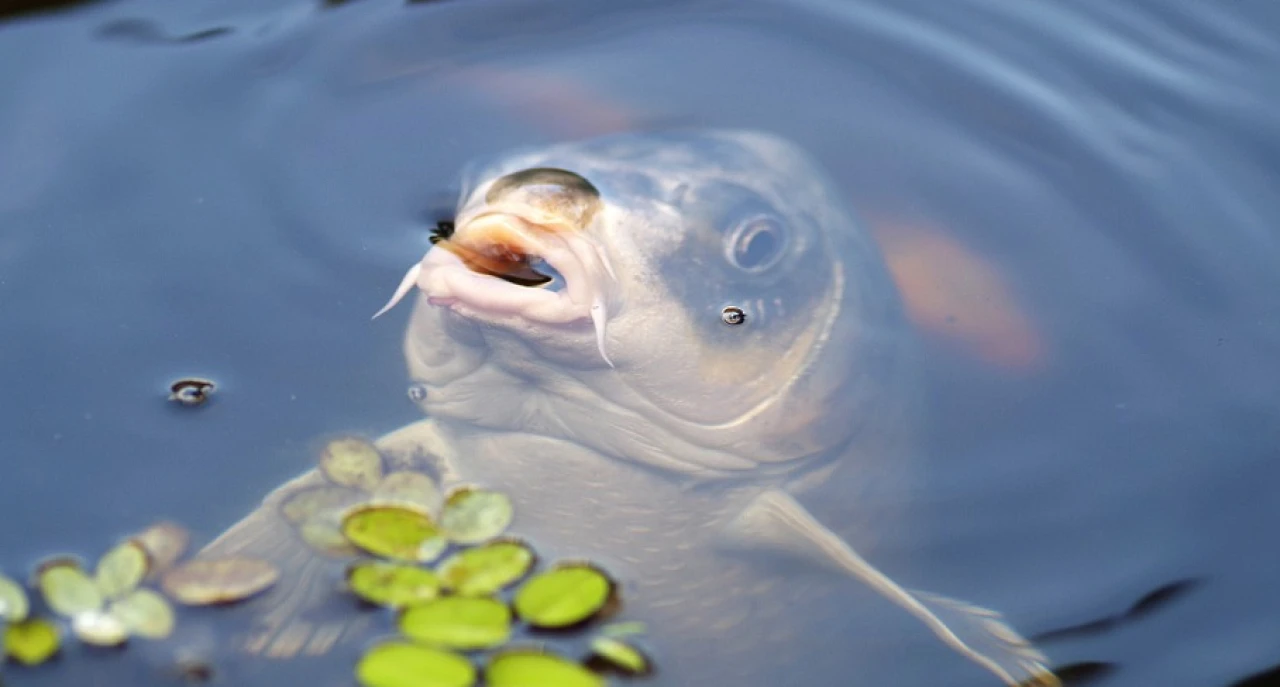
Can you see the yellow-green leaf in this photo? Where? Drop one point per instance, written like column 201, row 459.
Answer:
column 352, row 462
column 121, row 569
column 620, row 656
column 13, row 601
column 563, row 596
column 458, row 622
column 67, row 589
column 400, row 664
column 99, row 629
column 217, row 581
column 530, row 668
column 472, row 516
column 392, row 584
column 164, row 542
column 31, row 641
column 408, row 488
column 394, row 532
column 486, row 569
column 144, row 613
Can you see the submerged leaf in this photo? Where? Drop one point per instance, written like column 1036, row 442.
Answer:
column 121, row 569
column 99, row 629
column 531, row 668
column 394, row 532
column 486, row 569
column 458, row 622
column 400, row 664
column 32, row 641
column 13, row 601
column 67, row 589
column 164, row 542
column 319, row 501
column 325, row 537
column 217, row 581
column 352, row 462
column 408, row 488
column 563, row 596
column 472, row 516
column 392, row 584
column 144, row 613
column 620, row 656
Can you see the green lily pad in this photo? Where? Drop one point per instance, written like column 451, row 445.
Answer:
column 316, row 501
column 31, row 642
column 218, row 581
column 532, row 668
column 486, row 569
column 563, row 596
column 13, row 601
column 408, row 488
column 67, row 589
column 458, row 622
column 400, row 664
column 619, row 655
column 144, row 613
column 394, row 532
column 472, row 516
column 392, row 584
column 352, row 462
column 121, row 569
column 99, row 628
column 164, row 542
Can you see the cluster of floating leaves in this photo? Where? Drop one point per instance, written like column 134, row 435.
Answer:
column 475, row 599
column 109, row 604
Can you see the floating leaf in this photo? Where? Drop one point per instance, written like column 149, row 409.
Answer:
column 32, row 641
column 458, row 622
column 623, row 629
column 218, row 581
column 485, row 570
column 564, row 596
column 13, row 601
column 392, row 584
column 121, row 569
column 164, row 542
column 352, row 462
column 620, row 656
column 99, row 629
column 394, row 532
column 408, row 488
column 472, row 516
column 400, row 664
column 324, row 536
column 531, row 668
column 67, row 589
column 144, row 613
column 317, row 501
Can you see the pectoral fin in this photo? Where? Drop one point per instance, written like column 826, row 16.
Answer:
column 776, row 520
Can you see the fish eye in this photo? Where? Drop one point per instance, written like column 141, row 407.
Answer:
column 756, row 244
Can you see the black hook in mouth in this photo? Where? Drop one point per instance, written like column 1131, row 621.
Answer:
column 442, row 231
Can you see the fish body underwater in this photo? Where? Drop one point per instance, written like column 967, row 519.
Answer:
column 683, row 358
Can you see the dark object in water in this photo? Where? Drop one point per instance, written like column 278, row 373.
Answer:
column 191, row 391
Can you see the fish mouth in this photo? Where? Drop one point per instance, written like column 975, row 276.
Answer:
column 487, row 268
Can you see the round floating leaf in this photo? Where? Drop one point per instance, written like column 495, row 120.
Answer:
column 121, row 569
column 529, row 668
column 392, row 584
column 218, row 581
column 323, row 536
column 322, row 500
column 485, row 570
column 13, row 601
column 164, row 542
column 394, row 532
column 99, row 629
column 472, row 516
column 564, row 596
column 144, row 613
column 408, row 488
column 620, row 656
column 399, row 664
column 66, row 588
column 31, row 641
column 352, row 462
column 458, row 622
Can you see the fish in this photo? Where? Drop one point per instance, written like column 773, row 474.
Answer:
column 682, row 356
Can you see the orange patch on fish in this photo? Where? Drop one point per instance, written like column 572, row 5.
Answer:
column 953, row 294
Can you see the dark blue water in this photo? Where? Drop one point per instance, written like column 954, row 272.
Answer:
column 231, row 189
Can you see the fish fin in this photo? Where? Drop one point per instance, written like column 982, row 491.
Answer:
column 599, row 318
column 777, row 520
column 288, row 620
column 410, row 279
